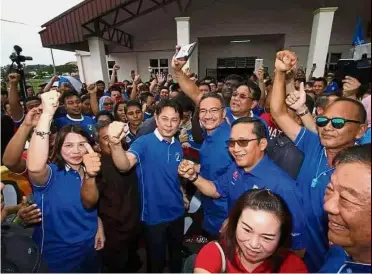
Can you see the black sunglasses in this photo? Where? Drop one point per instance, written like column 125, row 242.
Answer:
column 338, row 123
column 240, row 142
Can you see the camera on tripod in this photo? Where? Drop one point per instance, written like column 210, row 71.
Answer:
column 16, row 56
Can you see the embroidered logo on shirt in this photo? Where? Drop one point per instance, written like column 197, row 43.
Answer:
column 235, row 175
column 295, row 234
column 178, row 156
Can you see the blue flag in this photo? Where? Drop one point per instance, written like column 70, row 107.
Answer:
column 358, row 38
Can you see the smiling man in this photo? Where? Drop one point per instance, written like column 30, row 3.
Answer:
column 348, row 205
column 343, row 122
column 252, row 170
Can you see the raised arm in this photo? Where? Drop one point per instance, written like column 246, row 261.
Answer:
column 187, row 85
column 38, row 151
column 123, row 161
column 92, row 90
column 12, row 158
column 89, row 191
column 261, row 85
column 50, row 83
column 15, row 107
column 136, row 81
column 188, row 170
column 285, row 61
column 113, row 75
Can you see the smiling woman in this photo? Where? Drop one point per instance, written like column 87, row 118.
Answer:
column 255, row 239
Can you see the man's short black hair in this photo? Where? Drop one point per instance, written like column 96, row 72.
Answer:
column 68, row 94
column 184, row 101
column 115, row 87
column 212, row 95
column 163, row 87
column 321, row 79
column 355, row 154
column 202, row 83
column 362, row 113
column 174, row 87
column 254, row 89
column 259, row 127
column 309, row 84
column 84, row 97
column 105, row 112
column 32, row 98
column 169, row 103
column 300, row 79
column 145, row 95
column 234, row 77
column 100, row 82
column 132, row 103
column 309, row 103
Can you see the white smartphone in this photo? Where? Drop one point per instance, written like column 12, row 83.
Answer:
column 186, row 51
column 258, row 64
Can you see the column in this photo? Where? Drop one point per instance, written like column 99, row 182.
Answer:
column 98, row 60
column 319, row 42
column 80, row 66
column 183, row 34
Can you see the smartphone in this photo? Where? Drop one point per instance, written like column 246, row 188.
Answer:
column 258, row 63
column 345, row 67
column 186, row 51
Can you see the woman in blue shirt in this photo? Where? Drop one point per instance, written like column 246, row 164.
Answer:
column 66, row 234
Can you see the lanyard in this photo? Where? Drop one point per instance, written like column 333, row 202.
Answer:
column 314, row 182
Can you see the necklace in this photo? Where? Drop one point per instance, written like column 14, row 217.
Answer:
column 314, row 182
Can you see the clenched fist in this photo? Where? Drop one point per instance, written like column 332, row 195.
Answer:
column 92, row 88
column 49, row 102
column 116, row 67
column 92, row 161
column 14, row 78
column 186, row 169
column 116, row 132
column 285, row 61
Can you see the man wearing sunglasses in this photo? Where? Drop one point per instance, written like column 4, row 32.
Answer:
column 338, row 128
column 252, row 169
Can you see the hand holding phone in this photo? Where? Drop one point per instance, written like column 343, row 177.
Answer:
column 185, row 51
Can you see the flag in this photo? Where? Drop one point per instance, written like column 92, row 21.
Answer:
column 358, row 38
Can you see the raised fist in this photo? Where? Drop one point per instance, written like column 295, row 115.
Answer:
column 33, row 116
column 92, row 88
column 137, row 79
column 116, row 132
column 14, row 78
column 92, row 161
column 186, row 169
column 296, row 99
column 285, row 61
column 116, row 67
column 49, row 101
column 260, row 74
column 177, row 64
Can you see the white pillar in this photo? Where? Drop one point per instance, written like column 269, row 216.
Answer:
column 319, row 42
column 98, row 60
column 80, row 66
column 183, row 34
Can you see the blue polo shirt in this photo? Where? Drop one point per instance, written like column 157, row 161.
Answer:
column 157, row 171
column 266, row 174
column 214, row 162
column 146, row 116
column 312, row 181
column 338, row 261
column 85, row 121
column 66, row 233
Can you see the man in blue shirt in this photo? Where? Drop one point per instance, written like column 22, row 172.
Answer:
column 157, row 156
column 72, row 103
column 252, row 169
column 348, row 205
column 343, row 122
column 214, row 158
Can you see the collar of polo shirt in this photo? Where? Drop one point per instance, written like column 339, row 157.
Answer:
column 161, row 138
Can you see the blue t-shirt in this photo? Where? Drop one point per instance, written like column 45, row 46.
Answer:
column 257, row 111
column 157, row 171
column 312, row 181
column 146, row 116
column 66, row 233
column 85, row 121
column 333, row 87
column 338, row 261
column 266, row 174
column 214, row 161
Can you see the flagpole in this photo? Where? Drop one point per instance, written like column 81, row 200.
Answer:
column 54, row 66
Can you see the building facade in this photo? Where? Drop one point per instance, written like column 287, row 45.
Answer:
column 231, row 34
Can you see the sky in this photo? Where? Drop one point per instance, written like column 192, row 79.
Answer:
column 33, row 13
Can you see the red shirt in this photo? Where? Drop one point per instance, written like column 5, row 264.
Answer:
column 209, row 258
column 274, row 131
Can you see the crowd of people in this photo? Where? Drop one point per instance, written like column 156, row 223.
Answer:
column 280, row 163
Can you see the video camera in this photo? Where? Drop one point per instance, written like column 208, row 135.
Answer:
column 16, row 56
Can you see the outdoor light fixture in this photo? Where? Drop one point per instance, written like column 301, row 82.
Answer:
column 240, row 41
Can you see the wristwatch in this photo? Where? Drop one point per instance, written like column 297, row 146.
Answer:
column 306, row 111
column 196, row 177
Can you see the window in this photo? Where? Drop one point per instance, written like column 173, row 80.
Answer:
column 159, row 65
column 331, row 62
column 110, row 66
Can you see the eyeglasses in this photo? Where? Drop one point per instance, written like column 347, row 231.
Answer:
column 240, row 142
column 212, row 111
column 241, row 96
column 338, row 123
